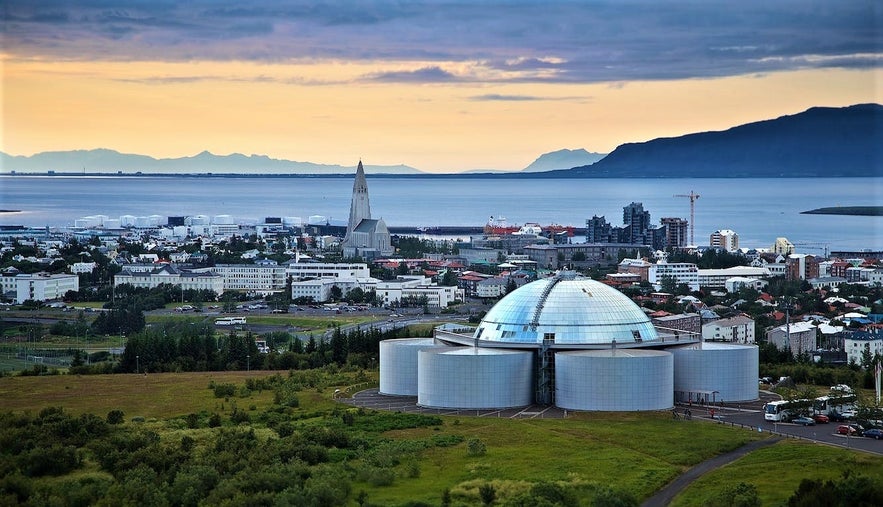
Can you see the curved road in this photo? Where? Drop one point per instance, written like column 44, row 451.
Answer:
column 666, row 494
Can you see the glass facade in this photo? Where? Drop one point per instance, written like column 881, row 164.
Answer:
column 572, row 311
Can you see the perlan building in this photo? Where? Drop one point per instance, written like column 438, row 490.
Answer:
column 571, row 342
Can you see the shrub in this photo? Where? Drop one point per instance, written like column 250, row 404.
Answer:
column 224, row 390
column 115, row 417
column 475, row 447
column 214, row 421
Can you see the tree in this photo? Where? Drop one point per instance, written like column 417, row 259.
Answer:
column 488, row 493
column 336, row 293
column 510, row 285
column 669, row 284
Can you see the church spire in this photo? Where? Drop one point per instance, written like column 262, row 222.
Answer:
column 360, row 207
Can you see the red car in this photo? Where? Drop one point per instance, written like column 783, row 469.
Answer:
column 845, row 429
column 820, row 419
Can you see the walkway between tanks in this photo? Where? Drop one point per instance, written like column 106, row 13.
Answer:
column 666, row 494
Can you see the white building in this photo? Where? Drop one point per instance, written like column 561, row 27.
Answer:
column 185, row 279
column 319, row 289
column 342, row 271
column 44, row 287
column 875, row 277
column 737, row 282
column 857, row 343
column 83, row 267
column 682, row 272
column 798, row 337
column 737, row 330
column 717, row 278
column 252, row 277
column 726, row 239
column 391, row 292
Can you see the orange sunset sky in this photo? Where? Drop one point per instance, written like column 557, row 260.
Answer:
column 439, row 86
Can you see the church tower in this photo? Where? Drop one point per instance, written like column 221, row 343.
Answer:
column 360, row 208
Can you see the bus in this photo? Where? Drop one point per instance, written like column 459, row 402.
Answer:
column 834, row 403
column 229, row 321
column 785, row 410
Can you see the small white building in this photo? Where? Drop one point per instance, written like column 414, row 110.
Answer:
column 414, row 287
column 726, row 239
column 83, row 267
column 738, row 329
column 682, row 272
column 857, row 343
column 717, row 278
column 341, row 270
column 44, row 287
column 252, row 277
column 798, row 337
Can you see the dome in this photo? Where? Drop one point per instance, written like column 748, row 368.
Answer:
column 568, row 309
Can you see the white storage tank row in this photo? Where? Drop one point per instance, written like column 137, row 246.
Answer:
column 603, row 380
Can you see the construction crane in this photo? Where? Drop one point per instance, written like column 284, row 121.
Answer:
column 693, row 196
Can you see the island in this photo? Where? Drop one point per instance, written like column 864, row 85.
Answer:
column 867, row 211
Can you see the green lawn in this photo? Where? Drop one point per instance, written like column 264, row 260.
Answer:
column 635, row 452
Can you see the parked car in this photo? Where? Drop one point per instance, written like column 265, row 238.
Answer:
column 849, row 414
column 820, row 419
column 805, row 421
column 836, row 416
column 875, row 433
column 848, row 429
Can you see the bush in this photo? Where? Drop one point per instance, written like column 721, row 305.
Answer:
column 224, row 390
column 115, row 417
column 475, row 447
column 214, row 421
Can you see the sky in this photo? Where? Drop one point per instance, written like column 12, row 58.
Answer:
column 442, row 86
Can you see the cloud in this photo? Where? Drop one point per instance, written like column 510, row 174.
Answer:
column 424, row 75
column 496, row 97
column 551, row 41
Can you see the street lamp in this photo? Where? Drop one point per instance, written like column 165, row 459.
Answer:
column 137, row 364
column 247, row 362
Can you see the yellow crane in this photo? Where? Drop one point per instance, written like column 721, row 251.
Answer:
column 693, row 197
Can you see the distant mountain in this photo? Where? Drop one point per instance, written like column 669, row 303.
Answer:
column 563, row 159
column 110, row 161
column 819, row 142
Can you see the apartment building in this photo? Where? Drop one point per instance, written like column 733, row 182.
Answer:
column 44, row 287
column 739, row 329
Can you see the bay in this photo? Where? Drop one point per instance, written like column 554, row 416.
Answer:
column 759, row 210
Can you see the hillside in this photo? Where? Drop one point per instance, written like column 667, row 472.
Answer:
column 110, row 161
column 819, row 142
column 563, row 159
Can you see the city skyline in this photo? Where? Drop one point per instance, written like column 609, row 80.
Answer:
column 441, row 86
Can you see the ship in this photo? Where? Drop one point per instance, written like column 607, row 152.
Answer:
column 498, row 226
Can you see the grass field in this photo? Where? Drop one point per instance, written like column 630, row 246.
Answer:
column 637, row 452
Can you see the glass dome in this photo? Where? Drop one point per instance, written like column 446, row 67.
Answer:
column 566, row 309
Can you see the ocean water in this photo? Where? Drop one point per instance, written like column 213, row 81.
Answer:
column 759, row 210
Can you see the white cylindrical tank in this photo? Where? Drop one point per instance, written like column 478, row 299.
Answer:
column 157, row 220
column 197, row 220
column 222, row 220
column 317, row 219
column 398, row 365
column 292, row 221
column 614, row 380
column 724, row 371
column 111, row 223
column 474, row 378
column 127, row 220
column 142, row 222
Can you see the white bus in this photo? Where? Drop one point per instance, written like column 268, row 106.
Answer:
column 229, row 321
column 834, row 403
column 784, row 410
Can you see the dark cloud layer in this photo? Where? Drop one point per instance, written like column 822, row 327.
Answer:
column 554, row 41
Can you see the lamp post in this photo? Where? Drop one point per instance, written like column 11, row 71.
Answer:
column 137, row 364
column 247, row 362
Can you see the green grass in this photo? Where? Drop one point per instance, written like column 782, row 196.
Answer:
column 776, row 471
column 635, row 452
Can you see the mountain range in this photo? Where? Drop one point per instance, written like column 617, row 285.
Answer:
column 819, row 142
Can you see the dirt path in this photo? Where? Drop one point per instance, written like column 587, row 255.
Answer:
column 666, row 494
